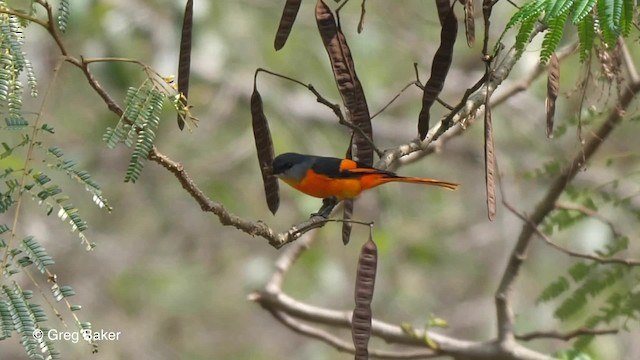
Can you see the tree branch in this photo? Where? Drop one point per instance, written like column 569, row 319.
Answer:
column 598, row 259
column 565, row 336
column 547, row 204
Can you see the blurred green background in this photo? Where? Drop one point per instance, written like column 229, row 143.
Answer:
column 175, row 282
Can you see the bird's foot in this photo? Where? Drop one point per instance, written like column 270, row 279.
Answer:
column 327, row 206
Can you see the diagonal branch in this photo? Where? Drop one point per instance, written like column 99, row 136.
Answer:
column 547, row 204
column 546, row 239
column 565, row 336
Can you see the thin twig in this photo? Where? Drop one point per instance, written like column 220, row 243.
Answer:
column 547, row 204
column 546, row 239
column 566, row 336
column 395, row 98
column 334, row 107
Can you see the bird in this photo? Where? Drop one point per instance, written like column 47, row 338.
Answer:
column 340, row 179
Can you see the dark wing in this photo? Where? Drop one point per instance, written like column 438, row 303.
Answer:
column 344, row 168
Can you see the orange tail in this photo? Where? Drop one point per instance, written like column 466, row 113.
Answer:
column 372, row 180
column 414, row 180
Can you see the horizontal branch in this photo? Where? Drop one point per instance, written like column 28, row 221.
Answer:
column 277, row 301
column 566, row 336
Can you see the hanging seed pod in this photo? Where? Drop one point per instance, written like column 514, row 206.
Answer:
column 490, row 163
column 347, row 81
column 289, row 14
column 264, row 147
column 441, row 64
column 553, row 86
column 184, row 59
column 365, row 283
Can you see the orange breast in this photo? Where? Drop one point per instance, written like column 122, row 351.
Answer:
column 325, row 187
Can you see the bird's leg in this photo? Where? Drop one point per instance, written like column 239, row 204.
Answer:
column 327, row 206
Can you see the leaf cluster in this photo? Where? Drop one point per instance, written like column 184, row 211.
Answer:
column 590, row 282
column 605, row 20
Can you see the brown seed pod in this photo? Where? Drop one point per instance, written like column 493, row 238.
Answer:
column 347, row 81
column 365, row 284
column 346, row 225
column 441, row 64
column 184, row 59
column 553, row 87
column 264, row 147
column 469, row 22
column 289, row 14
column 490, row 164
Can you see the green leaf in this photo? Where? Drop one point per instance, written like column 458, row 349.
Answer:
column 37, row 254
column 553, row 36
column 554, row 289
column 579, row 271
column 582, row 9
column 557, row 8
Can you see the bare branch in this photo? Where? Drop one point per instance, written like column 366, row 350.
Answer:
column 627, row 60
column 598, row 259
column 547, row 204
column 345, row 346
column 277, row 301
column 565, row 336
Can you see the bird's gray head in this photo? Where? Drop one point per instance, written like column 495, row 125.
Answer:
column 292, row 166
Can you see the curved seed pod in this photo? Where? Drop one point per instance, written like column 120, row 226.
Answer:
column 184, row 59
column 365, row 283
column 469, row 22
column 440, row 67
column 553, row 85
column 348, row 205
column 443, row 6
column 490, row 163
column 264, row 147
column 289, row 14
column 346, row 225
column 347, row 81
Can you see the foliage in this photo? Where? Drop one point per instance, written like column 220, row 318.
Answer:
column 33, row 180
column 591, row 292
column 138, row 125
column 593, row 285
column 604, row 20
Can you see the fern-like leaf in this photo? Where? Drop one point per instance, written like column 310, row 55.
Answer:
column 557, row 8
column 553, row 36
column 23, row 318
column 61, row 292
column 68, row 211
column 586, row 36
column 12, row 39
column 555, row 289
column 579, row 271
column 31, row 78
column 37, row 254
column 606, row 21
column 6, row 321
column 146, row 135
column 582, row 9
column 81, row 176
column 626, row 18
column 526, row 16
column 522, row 38
column 63, row 15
